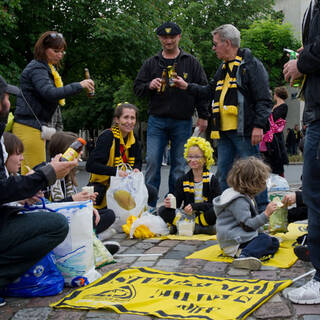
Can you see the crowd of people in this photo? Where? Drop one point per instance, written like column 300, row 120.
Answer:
column 245, row 120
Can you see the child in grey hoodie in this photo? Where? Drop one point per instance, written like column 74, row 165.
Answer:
column 238, row 221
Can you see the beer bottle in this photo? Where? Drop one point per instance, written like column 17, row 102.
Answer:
column 173, row 75
column 74, row 150
column 292, row 56
column 163, row 81
column 90, row 94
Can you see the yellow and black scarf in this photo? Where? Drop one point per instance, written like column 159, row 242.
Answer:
column 231, row 97
column 188, row 186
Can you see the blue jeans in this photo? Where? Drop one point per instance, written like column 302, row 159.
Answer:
column 261, row 246
column 231, row 146
column 311, row 191
column 159, row 132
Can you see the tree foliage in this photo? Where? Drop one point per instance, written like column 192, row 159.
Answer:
column 113, row 38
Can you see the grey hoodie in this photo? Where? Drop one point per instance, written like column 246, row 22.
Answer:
column 237, row 219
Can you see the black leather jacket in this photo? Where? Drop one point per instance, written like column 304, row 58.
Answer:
column 309, row 63
column 254, row 99
column 38, row 88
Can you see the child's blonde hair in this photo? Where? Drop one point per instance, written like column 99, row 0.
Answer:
column 204, row 146
column 248, row 176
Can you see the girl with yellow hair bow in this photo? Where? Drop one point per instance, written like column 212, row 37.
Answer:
column 195, row 190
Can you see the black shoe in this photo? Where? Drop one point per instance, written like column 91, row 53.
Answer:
column 112, row 246
column 302, row 252
column 211, row 230
column 173, row 229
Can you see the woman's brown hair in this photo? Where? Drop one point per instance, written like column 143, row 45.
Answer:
column 59, row 143
column 281, row 92
column 248, row 176
column 49, row 39
column 119, row 110
column 12, row 143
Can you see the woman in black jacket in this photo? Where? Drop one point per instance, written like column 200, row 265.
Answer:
column 42, row 92
column 275, row 153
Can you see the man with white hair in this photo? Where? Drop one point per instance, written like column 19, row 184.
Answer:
column 241, row 102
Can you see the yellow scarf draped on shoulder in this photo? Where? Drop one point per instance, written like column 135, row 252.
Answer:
column 57, row 81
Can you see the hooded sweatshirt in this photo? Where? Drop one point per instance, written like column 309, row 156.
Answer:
column 238, row 220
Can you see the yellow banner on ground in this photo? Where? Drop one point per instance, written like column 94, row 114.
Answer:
column 145, row 291
column 284, row 258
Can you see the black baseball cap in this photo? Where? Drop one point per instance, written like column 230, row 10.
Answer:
column 168, row 28
column 8, row 88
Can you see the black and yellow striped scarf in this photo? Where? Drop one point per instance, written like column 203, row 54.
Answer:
column 231, row 97
column 118, row 139
column 188, row 186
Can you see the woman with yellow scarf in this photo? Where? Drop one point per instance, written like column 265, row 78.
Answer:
column 42, row 92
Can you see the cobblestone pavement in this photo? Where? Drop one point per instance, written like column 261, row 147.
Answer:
column 172, row 259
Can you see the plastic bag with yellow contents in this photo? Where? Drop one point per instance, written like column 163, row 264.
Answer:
column 127, row 196
column 147, row 226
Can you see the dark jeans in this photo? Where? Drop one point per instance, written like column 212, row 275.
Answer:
column 260, row 246
column 311, row 191
column 25, row 239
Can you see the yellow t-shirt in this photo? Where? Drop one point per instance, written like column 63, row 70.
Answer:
column 228, row 114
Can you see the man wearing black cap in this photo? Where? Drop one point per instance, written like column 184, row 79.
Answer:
column 170, row 110
column 25, row 238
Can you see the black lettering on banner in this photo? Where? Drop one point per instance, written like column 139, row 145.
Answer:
column 192, row 308
column 176, row 295
column 242, row 299
column 239, row 289
column 209, row 297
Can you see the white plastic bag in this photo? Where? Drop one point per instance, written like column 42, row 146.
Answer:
column 277, row 183
column 127, row 196
column 154, row 223
column 74, row 255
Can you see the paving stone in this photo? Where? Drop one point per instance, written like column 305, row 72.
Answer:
column 102, row 315
column 276, row 298
column 46, row 301
column 311, row 317
column 238, row 272
column 167, row 263
column 169, row 243
column 149, row 258
column 311, row 309
column 67, row 315
column 194, row 262
column 139, row 264
column 127, row 260
column 133, row 250
column 32, row 314
column 113, row 266
column 265, row 275
column 128, row 243
column 185, row 248
column 125, row 316
column 271, row 310
column 119, row 236
column 144, row 245
column 151, row 240
column 291, row 273
column 174, row 254
column 192, row 270
column 158, row 249
column 122, row 248
column 215, row 266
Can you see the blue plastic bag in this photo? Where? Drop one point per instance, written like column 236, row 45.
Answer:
column 43, row 279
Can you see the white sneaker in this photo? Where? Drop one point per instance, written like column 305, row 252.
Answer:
column 307, row 294
column 250, row 263
column 106, row 234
